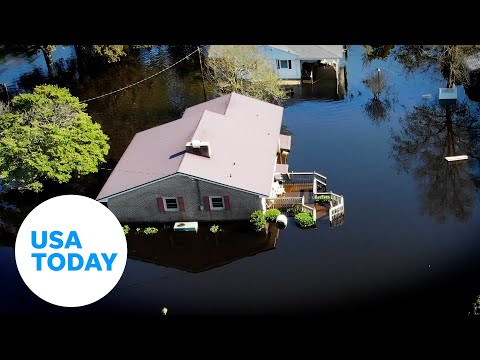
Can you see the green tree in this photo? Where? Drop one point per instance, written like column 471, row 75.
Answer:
column 243, row 69
column 449, row 59
column 111, row 53
column 47, row 135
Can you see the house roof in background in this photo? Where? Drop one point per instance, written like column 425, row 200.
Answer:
column 472, row 62
column 243, row 134
column 313, row 52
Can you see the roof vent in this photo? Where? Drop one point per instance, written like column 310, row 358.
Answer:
column 196, row 144
column 198, row 147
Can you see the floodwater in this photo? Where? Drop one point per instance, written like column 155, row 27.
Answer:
column 409, row 245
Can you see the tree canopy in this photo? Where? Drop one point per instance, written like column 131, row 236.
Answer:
column 47, row 135
column 449, row 59
column 244, row 70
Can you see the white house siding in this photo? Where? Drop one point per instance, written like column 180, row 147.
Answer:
column 273, row 55
column 140, row 205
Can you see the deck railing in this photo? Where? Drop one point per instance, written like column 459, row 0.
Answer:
column 337, row 206
column 312, row 179
column 318, row 184
column 311, row 210
column 280, row 201
column 284, row 203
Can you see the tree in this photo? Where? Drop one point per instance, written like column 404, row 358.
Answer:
column 47, row 51
column 243, row 69
column 429, row 133
column 378, row 108
column 111, row 53
column 46, row 135
column 377, row 83
column 449, row 59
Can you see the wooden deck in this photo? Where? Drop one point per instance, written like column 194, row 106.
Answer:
column 299, row 190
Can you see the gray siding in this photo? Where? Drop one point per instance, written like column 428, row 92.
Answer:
column 140, row 205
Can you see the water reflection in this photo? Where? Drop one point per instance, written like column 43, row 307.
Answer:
column 374, row 52
column 7, row 209
column 378, row 110
column 384, row 97
column 328, row 85
column 197, row 252
column 429, row 133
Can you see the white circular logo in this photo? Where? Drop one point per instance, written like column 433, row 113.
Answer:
column 71, row 250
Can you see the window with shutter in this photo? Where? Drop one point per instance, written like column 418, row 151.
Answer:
column 170, row 204
column 216, row 203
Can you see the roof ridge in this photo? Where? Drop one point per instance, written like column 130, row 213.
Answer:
column 194, row 131
column 229, row 101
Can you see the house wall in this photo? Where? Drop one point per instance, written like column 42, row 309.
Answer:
column 273, row 55
column 140, row 205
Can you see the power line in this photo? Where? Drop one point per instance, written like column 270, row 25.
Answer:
column 140, row 81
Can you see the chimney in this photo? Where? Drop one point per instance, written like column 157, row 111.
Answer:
column 198, row 147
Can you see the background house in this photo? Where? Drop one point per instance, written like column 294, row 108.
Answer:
column 297, row 61
column 215, row 163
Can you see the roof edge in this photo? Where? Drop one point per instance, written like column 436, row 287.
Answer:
column 106, row 198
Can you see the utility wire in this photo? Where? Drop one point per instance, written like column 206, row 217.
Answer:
column 140, row 81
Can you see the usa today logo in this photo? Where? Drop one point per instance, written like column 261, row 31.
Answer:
column 71, row 251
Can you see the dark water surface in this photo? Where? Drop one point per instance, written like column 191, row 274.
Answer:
column 409, row 244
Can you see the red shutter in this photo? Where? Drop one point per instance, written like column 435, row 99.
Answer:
column 161, row 208
column 181, row 204
column 226, row 202
column 206, row 203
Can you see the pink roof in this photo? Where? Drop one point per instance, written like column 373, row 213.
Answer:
column 281, row 168
column 243, row 134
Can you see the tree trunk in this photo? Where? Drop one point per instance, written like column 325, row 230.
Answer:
column 52, row 69
column 81, row 59
column 451, row 79
column 450, row 136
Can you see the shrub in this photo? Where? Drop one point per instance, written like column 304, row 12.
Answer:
column 294, row 210
column 214, row 229
column 324, row 198
column 126, row 229
column 258, row 220
column 271, row 214
column 304, row 219
column 150, row 231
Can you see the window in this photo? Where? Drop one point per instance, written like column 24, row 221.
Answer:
column 284, row 64
column 217, row 203
column 170, row 203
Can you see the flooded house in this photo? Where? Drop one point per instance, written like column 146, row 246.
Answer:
column 301, row 62
column 224, row 159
